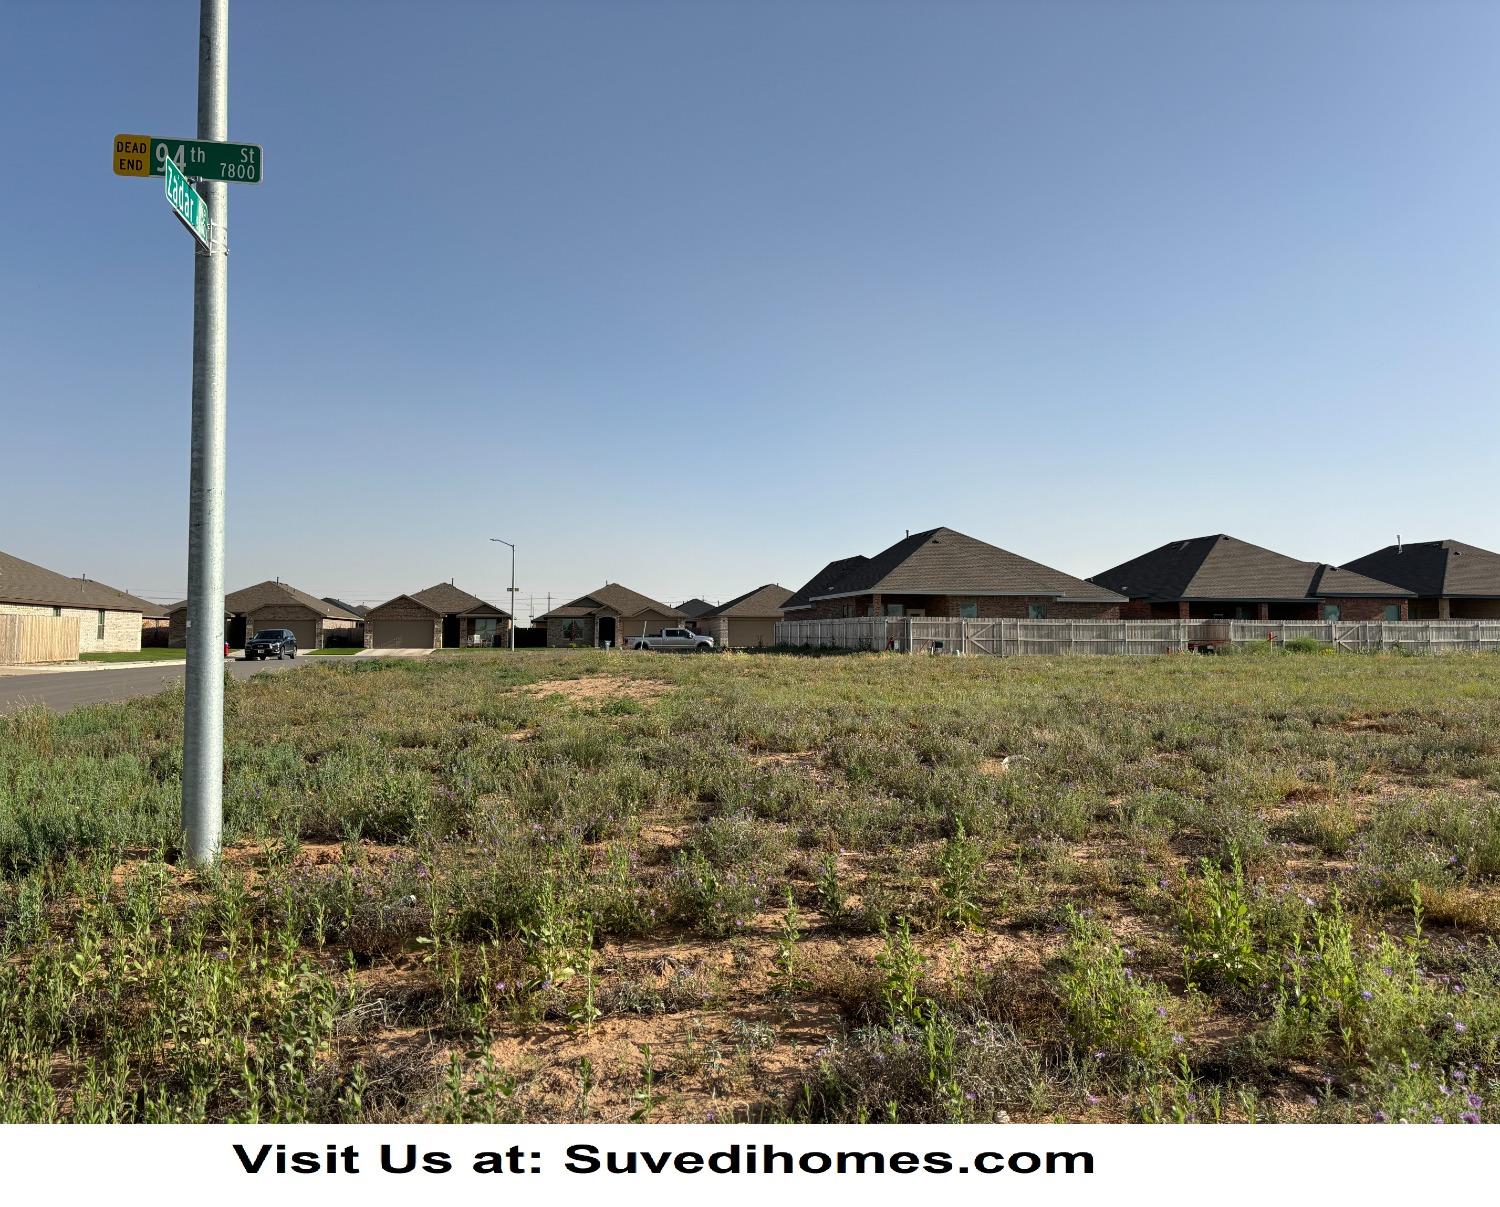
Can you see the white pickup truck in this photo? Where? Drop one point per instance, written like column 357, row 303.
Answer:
column 673, row 639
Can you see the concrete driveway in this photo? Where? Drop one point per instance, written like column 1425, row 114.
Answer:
column 65, row 692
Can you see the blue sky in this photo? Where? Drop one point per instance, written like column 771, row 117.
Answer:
column 698, row 295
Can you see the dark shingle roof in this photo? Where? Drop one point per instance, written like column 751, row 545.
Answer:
column 1223, row 567
column 695, row 608
column 612, row 597
column 357, row 609
column 942, row 561
column 769, row 600
column 274, row 594
column 129, row 602
column 820, row 582
column 1433, row 568
column 445, row 598
column 25, row 582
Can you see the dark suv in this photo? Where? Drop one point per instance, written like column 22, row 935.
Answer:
column 268, row 643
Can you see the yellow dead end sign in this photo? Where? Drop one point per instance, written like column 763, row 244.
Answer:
column 132, row 155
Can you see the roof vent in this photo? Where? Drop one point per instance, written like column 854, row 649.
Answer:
column 1398, row 542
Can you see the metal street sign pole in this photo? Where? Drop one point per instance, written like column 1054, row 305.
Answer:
column 203, row 715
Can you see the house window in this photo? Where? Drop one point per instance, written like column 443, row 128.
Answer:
column 968, row 611
column 572, row 630
column 56, row 611
column 1036, row 611
column 99, row 635
column 895, row 609
column 485, row 630
column 1330, row 611
column 847, row 611
column 1393, row 611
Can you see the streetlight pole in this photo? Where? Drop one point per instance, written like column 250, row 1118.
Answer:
column 203, row 705
column 498, row 541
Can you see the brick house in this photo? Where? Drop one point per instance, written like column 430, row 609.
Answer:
column 274, row 605
column 357, row 638
column 1220, row 577
column 611, row 614
column 746, row 622
column 943, row 573
column 109, row 620
column 154, row 620
column 1451, row 580
column 441, row 617
column 693, row 609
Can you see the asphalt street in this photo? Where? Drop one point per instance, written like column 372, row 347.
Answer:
column 67, row 691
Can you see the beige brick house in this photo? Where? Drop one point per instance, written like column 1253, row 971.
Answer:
column 747, row 621
column 274, row 605
column 109, row 620
column 440, row 617
column 611, row 614
column 943, row 573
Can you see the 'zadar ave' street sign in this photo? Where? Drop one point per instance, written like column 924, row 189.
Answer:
column 143, row 155
column 190, row 207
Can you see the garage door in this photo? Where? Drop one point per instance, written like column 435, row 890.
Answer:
column 401, row 634
column 306, row 632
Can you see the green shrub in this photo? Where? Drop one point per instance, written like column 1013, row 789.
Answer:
column 1113, row 1014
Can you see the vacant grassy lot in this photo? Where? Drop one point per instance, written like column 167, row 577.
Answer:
column 555, row 886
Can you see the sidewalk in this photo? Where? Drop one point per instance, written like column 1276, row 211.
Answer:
column 66, row 668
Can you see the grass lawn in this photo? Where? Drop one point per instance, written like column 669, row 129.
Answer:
column 151, row 654
column 559, row 885
column 336, row 649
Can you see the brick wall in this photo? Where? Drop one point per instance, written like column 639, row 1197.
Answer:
column 122, row 630
column 584, row 634
column 1349, row 609
column 988, row 607
column 1365, row 609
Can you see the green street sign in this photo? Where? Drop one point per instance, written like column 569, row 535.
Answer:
column 143, row 155
column 191, row 209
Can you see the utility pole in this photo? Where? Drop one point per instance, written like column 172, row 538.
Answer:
column 203, row 714
column 498, row 541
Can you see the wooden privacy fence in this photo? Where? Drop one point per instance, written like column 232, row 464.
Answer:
column 918, row 635
column 38, row 639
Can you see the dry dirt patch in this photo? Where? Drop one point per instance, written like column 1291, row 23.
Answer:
column 801, row 762
column 595, row 688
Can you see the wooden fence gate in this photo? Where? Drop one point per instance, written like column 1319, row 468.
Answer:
column 38, row 639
